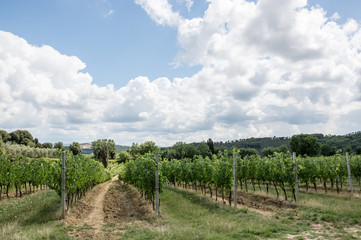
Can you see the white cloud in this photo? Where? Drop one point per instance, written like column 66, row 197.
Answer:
column 188, row 4
column 274, row 67
column 160, row 11
column 109, row 13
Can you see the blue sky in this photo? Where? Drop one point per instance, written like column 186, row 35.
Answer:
column 121, row 46
column 246, row 68
column 116, row 48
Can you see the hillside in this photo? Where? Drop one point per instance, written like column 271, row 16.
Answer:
column 352, row 140
column 87, row 149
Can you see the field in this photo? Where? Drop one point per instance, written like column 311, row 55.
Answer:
column 113, row 210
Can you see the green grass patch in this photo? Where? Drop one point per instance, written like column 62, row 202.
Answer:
column 32, row 217
column 188, row 215
column 322, row 207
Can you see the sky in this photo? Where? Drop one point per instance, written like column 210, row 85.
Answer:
column 179, row 70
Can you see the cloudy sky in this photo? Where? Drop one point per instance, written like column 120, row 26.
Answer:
column 179, row 70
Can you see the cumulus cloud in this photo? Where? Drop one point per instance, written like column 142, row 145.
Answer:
column 160, row 11
column 274, row 67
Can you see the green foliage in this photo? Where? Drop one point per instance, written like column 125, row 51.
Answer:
column 358, row 150
column 204, row 150
column 269, row 151
column 26, row 151
column 181, row 150
column 123, row 157
column 115, row 168
column 4, row 136
column 47, row 145
column 211, row 145
column 103, row 149
column 255, row 143
column 202, row 170
column 99, row 146
column 81, row 174
column 305, row 144
column 328, row 150
column 277, row 169
column 59, row 145
column 28, row 142
column 141, row 173
column 75, row 148
column 21, row 137
column 347, row 149
column 15, row 173
column 243, row 152
column 146, row 147
column 340, row 142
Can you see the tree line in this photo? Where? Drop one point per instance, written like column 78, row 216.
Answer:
column 302, row 144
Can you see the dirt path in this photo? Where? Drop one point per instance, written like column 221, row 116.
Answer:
column 96, row 217
column 106, row 211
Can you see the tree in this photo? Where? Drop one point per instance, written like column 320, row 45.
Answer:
column 59, row 145
column 75, row 148
column 203, row 150
column 4, row 136
column 148, row 147
column 47, row 145
column 347, row 149
column 328, row 150
column 1, row 145
column 20, row 136
column 211, row 145
column 134, row 149
column 123, row 157
column 182, row 150
column 103, row 149
column 358, row 150
column 282, row 149
column 304, row 144
column 269, row 151
column 243, row 152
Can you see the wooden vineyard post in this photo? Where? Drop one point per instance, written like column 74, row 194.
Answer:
column 349, row 173
column 296, row 179
column 63, row 193
column 156, row 184
column 235, row 179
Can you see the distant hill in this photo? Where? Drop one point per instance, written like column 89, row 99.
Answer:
column 256, row 143
column 352, row 140
column 121, row 148
column 87, row 148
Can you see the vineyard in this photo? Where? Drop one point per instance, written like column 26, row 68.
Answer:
column 141, row 174
column 25, row 173
column 276, row 171
column 215, row 175
column 184, row 185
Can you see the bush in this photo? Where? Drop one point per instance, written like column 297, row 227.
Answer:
column 26, row 151
column 124, row 157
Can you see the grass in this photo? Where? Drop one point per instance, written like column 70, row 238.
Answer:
column 188, row 215
column 320, row 206
column 32, row 217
